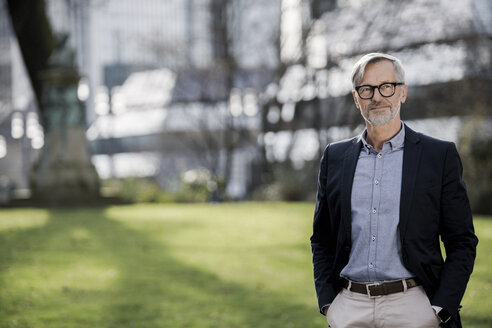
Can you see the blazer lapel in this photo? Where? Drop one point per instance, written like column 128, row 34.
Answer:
column 349, row 165
column 411, row 160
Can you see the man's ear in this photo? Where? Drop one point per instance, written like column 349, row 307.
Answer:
column 404, row 93
column 355, row 100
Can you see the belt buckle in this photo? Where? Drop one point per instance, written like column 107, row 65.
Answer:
column 368, row 289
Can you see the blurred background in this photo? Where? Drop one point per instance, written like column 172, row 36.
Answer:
column 214, row 100
column 172, row 102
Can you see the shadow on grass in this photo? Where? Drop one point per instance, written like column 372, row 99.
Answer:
column 83, row 269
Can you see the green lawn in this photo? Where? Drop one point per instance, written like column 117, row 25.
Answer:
column 227, row 265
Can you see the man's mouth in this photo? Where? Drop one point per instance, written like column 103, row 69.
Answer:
column 378, row 106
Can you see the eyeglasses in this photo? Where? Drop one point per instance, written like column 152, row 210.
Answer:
column 386, row 89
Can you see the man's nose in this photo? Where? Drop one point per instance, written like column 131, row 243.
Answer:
column 376, row 95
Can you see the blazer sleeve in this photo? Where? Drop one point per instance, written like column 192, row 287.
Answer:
column 323, row 249
column 457, row 234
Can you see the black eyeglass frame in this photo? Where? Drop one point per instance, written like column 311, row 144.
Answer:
column 394, row 84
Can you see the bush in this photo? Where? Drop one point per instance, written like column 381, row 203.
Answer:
column 289, row 183
column 199, row 185
column 196, row 186
column 136, row 190
column 475, row 143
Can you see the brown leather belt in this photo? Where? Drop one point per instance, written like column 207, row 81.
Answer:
column 380, row 288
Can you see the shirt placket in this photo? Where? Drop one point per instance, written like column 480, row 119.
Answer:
column 375, row 212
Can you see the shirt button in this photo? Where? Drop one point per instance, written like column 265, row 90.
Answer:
column 376, row 181
column 374, row 210
column 373, row 238
column 380, row 155
column 371, row 266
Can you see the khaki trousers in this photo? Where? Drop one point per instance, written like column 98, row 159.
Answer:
column 408, row 309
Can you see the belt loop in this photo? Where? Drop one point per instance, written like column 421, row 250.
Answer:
column 349, row 285
column 404, row 281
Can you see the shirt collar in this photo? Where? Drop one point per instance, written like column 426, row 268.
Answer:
column 394, row 143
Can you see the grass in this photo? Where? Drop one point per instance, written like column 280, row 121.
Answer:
column 228, row 265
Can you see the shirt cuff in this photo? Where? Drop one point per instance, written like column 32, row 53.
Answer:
column 436, row 308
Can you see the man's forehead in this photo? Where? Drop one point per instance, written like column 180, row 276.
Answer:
column 382, row 68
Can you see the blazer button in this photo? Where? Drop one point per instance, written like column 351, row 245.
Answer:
column 347, row 249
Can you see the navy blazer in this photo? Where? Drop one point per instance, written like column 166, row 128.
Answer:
column 433, row 204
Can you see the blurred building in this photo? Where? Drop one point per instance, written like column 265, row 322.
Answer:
column 181, row 84
column 119, row 42
column 170, row 79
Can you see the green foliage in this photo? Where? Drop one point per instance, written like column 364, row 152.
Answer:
column 196, row 186
column 136, row 190
column 475, row 143
column 289, row 183
column 199, row 185
column 173, row 265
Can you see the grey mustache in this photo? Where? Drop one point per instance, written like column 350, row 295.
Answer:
column 372, row 105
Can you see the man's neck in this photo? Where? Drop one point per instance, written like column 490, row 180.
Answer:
column 378, row 135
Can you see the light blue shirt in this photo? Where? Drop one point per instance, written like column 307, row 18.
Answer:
column 376, row 247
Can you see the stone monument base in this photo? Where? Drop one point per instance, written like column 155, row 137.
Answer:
column 64, row 174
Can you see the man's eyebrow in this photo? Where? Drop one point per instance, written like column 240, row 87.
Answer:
column 385, row 81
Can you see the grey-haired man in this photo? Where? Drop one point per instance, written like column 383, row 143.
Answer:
column 384, row 199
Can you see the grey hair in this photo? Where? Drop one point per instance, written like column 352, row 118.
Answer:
column 360, row 67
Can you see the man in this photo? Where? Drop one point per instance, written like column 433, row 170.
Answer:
column 384, row 199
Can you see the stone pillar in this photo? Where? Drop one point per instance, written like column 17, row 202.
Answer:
column 64, row 174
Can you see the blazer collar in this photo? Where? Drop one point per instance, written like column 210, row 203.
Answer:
column 411, row 135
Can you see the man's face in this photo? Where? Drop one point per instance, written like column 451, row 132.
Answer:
column 380, row 110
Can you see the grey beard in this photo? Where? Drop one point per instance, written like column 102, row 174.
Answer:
column 377, row 120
